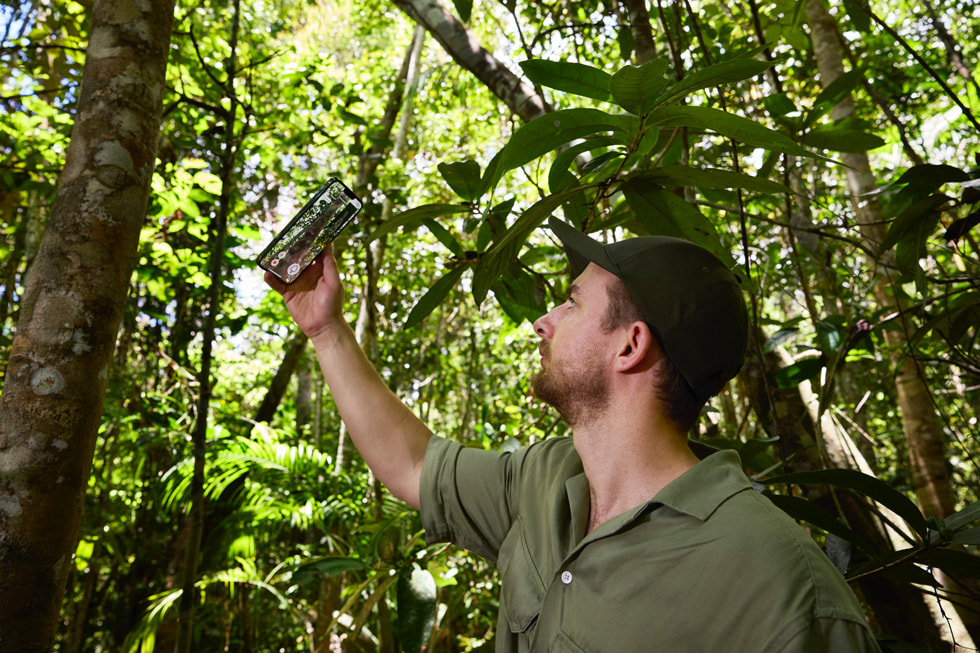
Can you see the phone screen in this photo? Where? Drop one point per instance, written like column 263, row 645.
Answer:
column 317, row 224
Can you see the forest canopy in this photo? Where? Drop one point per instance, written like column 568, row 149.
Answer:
column 173, row 472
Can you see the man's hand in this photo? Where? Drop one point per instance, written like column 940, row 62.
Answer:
column 316, row 298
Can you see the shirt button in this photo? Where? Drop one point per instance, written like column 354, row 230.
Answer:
column 566, row 577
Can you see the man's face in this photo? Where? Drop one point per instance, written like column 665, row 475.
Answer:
column 574, row 352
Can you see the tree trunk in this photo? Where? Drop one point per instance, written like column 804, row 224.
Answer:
column 58, row 366
column 897, row 608
column 644, row 47
column 218, row 234
column 464, row 48
column 280, row 382
column 923, row 433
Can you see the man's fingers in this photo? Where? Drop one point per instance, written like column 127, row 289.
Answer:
column 274, row 282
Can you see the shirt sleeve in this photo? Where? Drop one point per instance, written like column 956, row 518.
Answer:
column 832, row 634
column 466, row 495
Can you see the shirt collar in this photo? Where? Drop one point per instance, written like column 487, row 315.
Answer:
column 700, row 490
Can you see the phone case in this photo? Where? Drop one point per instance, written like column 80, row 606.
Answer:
column 317, row 224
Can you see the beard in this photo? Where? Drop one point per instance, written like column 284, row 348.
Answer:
column 577, row 389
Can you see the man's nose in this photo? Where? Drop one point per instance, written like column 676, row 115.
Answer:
column 542, row 325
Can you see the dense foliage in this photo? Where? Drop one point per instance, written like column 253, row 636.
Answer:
column 709, row 121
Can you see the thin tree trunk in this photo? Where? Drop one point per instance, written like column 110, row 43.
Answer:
column 59, row 361
column 304, row 398
column 644, row 47
column 280, row 381
column 218, row 232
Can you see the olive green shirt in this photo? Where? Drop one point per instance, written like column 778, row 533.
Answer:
column 708, row 564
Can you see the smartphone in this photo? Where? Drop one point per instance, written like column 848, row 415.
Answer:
column 316, row 225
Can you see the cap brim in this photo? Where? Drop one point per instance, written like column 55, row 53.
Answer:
column 581, row 249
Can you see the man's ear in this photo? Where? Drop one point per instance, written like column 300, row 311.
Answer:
column 639, row 349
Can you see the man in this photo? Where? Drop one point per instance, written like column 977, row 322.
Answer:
column 618, row 539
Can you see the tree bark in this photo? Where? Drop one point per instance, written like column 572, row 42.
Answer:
column 897, row 608
column 464, row 48
column 280, row 382
column 59, row 361
column 644, row 47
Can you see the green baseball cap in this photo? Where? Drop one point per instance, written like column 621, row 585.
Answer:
column 688, row 297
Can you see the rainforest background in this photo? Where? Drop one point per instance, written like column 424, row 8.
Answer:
column 174, row 475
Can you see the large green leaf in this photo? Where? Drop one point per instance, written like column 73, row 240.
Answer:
column 434, row 296
column 465, row 8
column 663, row 213
column 831, row 96
column 915, row 223
column 445, row 237
column 495, row 261
column 313, row 569
column 570, row 77
column 863, row 483
column 637, row 88
column 564, row 159
column 967, row 536
column 416, row 592
column 952, row 561
column 547, row 133
column 416, row 216
column 679, row 175
column 796, row 373
column 963, row 517
column 735, row 127
column 464, row 178
column 723, row 72
column 849, row 135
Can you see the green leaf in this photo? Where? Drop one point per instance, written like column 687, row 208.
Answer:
column 521, row 294
column 735, row 127
column 915, row 224
column 963, row 517
column 310, row 570
column 860, row 15
column 863, row 483
column 637, row 88
column 780, row 337
column 547, row 133
column 723, row 72
column 679, row 175
column 463, row 178
column 564, row 159
column 492, row 264
column 434, row 296
column 415, row 216
column 844, row 136
column 933, row 175
column 443, row 236
column 952, row 561
column 570, row 77
column 464, row 8
column 663, row 213
column 967, row 536
column 798, row 372
column 416, row 595
column 832, row 95
column 781, row 108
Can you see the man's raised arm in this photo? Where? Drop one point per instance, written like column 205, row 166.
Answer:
column 390, row 438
